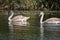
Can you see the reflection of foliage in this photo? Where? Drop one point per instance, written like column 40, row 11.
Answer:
column 30, row 4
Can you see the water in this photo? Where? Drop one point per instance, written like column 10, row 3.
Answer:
column 30, row 32
column 3, row 27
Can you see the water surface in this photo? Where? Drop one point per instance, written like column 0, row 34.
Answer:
column 30, row 32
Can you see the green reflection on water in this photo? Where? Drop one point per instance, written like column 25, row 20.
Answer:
column 3, row 24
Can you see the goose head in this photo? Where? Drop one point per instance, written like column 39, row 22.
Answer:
column 42, row 13
column 27, row 18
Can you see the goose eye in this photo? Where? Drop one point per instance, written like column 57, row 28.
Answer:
column 24, row 20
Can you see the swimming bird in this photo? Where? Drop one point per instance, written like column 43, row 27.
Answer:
column 50, row 20
column 17, row 20
column 51, row 24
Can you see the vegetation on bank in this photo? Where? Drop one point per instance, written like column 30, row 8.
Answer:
column 30, row 4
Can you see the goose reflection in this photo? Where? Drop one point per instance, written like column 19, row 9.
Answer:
column 19, row 20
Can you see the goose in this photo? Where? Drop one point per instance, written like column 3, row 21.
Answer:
column 51, row 24
column 19, row 20
column 50, row 20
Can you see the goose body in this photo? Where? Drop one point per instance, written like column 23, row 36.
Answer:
column 52, row 20
column 19, row 20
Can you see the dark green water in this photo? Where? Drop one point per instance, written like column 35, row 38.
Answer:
column 30, row 32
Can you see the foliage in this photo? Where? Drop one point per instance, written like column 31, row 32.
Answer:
column 30, row 4
column 52, row 4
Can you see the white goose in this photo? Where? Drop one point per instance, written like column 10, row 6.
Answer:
column 52, row 24
column 50, row 20
column 19, row 20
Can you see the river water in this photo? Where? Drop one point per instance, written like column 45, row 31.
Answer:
column 30, row 32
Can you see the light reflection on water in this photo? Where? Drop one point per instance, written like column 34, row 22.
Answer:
column 31, row 32
column 41, row 32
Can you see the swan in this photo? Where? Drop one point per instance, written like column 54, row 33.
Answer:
column 51, row 24
column 50, row 20
column 19, row 20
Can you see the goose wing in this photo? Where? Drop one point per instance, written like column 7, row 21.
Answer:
column 52, row 20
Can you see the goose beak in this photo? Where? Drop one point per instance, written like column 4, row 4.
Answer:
column 27, row 17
